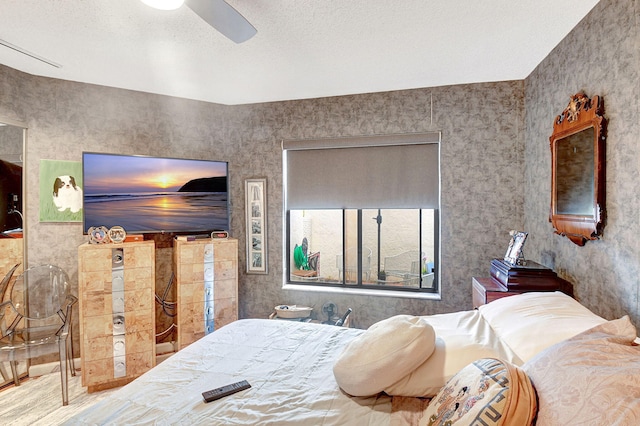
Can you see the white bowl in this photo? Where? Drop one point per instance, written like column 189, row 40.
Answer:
column 293, row 311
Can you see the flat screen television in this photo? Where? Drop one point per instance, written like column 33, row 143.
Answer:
column 154, row 194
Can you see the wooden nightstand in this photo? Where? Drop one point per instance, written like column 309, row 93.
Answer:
column 487, row 290
column 507, row 280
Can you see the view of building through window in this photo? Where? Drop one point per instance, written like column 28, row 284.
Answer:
column 398, row 248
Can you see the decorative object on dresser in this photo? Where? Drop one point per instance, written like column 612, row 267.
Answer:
column 578, row 170
column 206, row 284
column 98, row 235
column 117, row 234
column 515, row 250
column 507, row 279
column 117, row 312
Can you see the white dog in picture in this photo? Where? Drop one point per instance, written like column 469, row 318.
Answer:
column 66, row 194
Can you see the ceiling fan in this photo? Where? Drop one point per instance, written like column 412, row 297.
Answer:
column 217, row 13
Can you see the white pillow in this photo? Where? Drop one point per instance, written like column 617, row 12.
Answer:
column 383, row 354
column 451, row 355
column 531, row 322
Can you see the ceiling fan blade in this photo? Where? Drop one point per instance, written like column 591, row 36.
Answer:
column 224, row 18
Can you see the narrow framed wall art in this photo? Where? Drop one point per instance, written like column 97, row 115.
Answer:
column 255, row 193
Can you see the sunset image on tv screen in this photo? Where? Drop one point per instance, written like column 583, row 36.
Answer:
column 154, row 194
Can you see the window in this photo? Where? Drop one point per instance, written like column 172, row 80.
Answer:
column 363, row 212
column 378, row 248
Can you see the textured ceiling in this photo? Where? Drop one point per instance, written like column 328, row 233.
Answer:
column 303, row 48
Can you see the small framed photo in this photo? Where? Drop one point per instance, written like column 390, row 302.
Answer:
column 255, row 193
column 515, row 254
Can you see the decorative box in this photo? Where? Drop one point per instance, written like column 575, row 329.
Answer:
column 530, row 276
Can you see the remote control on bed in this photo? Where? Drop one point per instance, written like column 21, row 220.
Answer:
column 223, row 391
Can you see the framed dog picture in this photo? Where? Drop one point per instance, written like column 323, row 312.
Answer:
column 60, row 191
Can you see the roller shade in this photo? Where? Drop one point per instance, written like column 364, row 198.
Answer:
column 395, row 171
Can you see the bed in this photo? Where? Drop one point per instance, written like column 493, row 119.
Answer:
column 295, row 369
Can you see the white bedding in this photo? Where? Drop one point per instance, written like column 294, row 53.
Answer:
column 289, row 366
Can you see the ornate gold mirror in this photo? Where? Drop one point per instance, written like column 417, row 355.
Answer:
column 578, row 170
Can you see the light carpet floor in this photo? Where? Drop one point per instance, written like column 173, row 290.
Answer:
column 38, row 401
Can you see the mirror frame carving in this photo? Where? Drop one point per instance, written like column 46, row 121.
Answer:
column 581, row 113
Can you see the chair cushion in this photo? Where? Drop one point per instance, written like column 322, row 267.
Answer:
column 488, row 392
column 383, row 354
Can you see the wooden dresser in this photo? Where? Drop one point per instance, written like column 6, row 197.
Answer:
column 206, row 278
column 12, row 255
column 506, row 280
column 117, row 321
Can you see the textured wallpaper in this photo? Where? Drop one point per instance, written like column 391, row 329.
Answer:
column 482, row 180
column 601, row 56
column 482, row 167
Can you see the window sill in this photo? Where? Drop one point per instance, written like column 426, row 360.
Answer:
column 363, row 292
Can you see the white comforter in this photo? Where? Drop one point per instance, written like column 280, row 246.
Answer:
column 289, row 366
